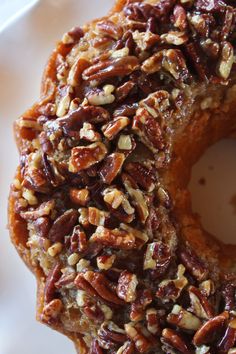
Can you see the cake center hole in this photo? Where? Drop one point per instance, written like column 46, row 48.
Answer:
column 213, row 189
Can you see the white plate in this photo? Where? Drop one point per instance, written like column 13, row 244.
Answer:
column 24, row 47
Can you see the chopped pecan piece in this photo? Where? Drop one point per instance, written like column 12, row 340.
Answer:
column 50, row 287
column 200, row 306
column 109, row 28
column 118, row 204
column 110, row 332
column 95, row 348
column 127, row 284
column 51, row 311
column 88, row 133
column 126, row 348
column 140, row 236
column 174, row 63
column 43, row 210
column 139, row 200
column 102, row 287
column 111, row 68
column 142, row 339
column 229, row 338
column 94, row 313
column 144, row 176
column 157, row 257
column 148, row 129
column 42, row 226
column 157, row 104
column 114, row 238
column 66, row 280
column 111, row 129
column 63, row 225
column 171, row 289
column 153, row 64
column 179, row 17
column 78, row 240
column 111, row 167
column 83, row 157
column 228, row 293
column 105, row 262
column 79, row 196
column 97, row 217
column 207, row 287
column 183, row 319
column 145, row 40
column 193, row 264
column 209, row 331
column 144, row 298
column 98, row 97
column 75, row 73
column 153, row 321
column 73, row 36
column 226, row 60
column 124, row 90
column 174, row 37
column 174, row 339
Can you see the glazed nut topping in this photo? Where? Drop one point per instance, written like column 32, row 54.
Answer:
column 96, row 180
column 83, row 157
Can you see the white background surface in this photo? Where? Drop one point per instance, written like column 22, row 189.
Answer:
column 24, row 47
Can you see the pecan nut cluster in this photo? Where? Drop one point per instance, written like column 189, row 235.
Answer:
column 90, row 189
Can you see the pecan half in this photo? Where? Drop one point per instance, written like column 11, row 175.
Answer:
column 111, row 68
column 229, row 338
column 63, row 225
column 75, row 73
column 174, row 339
column 110, row 332
column 82, row 157
column 209, row 331
column 50, row 287
column 109, row 28
column 148, row 129
column 42, row 226
column 102, row 287
column 193, row 264
column 145, row 177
